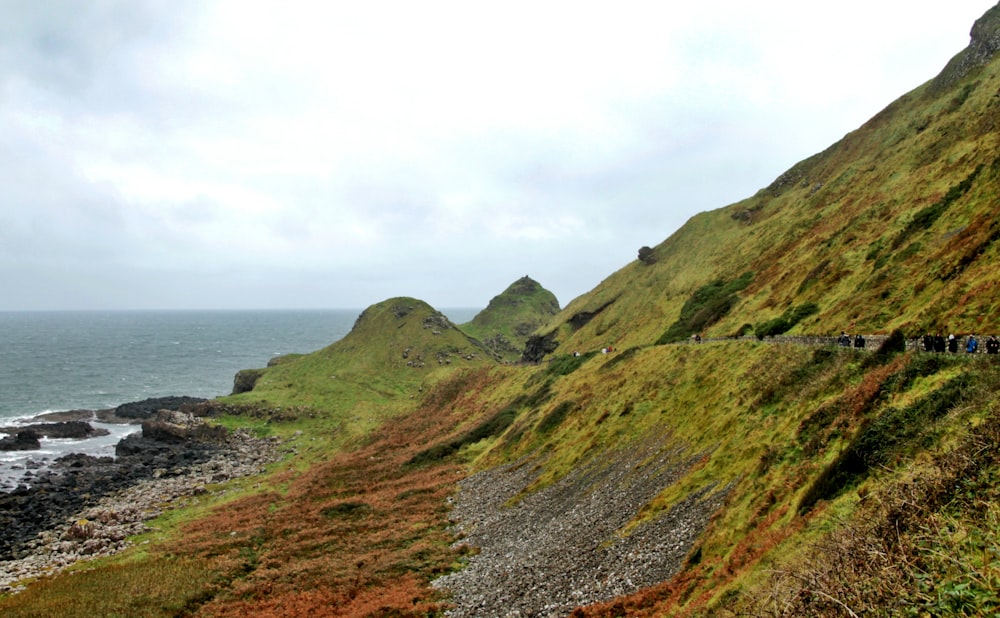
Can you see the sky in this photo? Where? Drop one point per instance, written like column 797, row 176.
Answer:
column 176, row 154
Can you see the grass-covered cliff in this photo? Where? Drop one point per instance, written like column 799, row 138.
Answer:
column 810, row 480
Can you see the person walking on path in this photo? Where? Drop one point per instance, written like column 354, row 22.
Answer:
column 971, row 346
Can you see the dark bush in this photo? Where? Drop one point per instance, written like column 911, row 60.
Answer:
column 893, row 345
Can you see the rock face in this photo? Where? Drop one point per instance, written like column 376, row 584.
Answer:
column 538, row 346
column 245, row 380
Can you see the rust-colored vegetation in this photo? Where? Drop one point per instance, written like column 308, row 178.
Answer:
column 359, row 535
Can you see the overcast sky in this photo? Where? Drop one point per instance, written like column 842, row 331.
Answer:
column 175, row 154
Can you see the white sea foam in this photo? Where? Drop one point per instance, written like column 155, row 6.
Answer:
column 15, row 464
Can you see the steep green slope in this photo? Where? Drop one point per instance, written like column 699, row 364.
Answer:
column 511, row 317
column 894, row 226
column 793, row 436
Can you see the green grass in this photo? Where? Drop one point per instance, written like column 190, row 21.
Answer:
column 166, row 586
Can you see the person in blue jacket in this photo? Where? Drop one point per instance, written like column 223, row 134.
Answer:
column 971, row 346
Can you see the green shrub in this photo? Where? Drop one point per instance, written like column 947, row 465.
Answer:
column 707, row 305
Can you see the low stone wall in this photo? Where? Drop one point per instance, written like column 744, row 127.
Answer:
column 872, row 342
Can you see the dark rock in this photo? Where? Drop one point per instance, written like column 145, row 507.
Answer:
column 66, row 429
column 25, row 440
column 77, row 481
column 67, row 415
column 147, row 408
column 245, row 380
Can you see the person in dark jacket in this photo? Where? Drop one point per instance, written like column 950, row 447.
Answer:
column 993, row 345
column 939, row 343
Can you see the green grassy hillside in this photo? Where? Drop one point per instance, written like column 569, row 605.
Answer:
column 894, row 226
column 838, row 481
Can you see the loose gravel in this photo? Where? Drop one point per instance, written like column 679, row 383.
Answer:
column 565, row 546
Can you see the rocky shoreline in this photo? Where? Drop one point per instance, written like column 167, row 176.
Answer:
column 83, row 506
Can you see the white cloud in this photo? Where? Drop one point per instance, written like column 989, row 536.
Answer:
column 407, row 144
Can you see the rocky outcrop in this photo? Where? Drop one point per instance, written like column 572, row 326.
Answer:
column 983, row 46
column 172, row 445
column 538, row 346
column 24, row 440
column 245, row 380
column 76, row 430
column 147, row 408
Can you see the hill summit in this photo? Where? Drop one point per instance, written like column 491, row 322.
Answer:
column 512, row 316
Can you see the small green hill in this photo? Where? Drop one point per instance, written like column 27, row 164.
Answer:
column 511, row 317
column 395, row 349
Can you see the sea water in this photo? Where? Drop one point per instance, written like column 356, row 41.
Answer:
column 69, row 360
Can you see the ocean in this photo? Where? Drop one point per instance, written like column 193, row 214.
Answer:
column 68, row 360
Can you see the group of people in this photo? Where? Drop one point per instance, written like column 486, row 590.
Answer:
column 934, row 343
column 937, row 343
column 845, row 341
